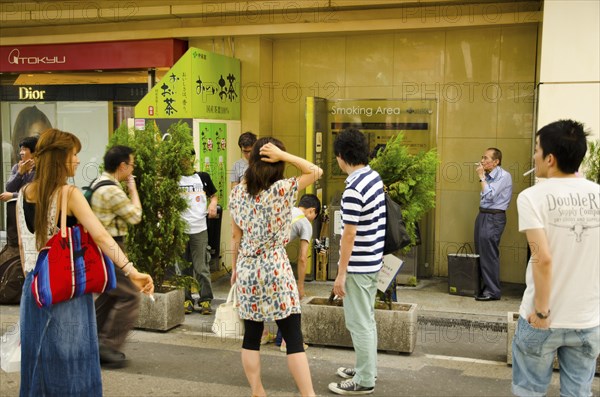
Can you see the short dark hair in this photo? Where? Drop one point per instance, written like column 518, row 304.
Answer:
column 246, row 139
column 29, row 142
column 260, row 175
column 496, row 154
column 310, row 201
column 115, row 156
column 352, row 146
column 565, row 140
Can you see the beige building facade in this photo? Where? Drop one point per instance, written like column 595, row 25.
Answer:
column 481, row 61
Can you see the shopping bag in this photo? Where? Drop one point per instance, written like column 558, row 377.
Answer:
column 227, row 322
column 464, row 272
column 10, row 350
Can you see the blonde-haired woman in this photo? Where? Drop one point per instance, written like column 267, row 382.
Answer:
column 261, row 212
column 59, row 345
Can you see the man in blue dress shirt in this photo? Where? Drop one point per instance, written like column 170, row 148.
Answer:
column 496, row 192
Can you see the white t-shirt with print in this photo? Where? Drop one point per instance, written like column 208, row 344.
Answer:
column 192, row 190
column 568, row 209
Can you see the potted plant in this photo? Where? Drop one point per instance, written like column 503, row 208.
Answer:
column 410, row 181
column 158, row 242
column 323, row 323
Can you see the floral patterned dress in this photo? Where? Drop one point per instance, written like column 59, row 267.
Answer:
column 266, row 285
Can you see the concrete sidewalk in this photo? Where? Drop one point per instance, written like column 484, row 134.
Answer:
column 431, row 296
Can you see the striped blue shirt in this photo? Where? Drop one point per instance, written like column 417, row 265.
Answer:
column 363, row 205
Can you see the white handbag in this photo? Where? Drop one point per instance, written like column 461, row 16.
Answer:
column 227, row 322
column 10, row 350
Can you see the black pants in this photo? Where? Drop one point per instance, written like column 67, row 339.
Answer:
column 12, row 235
column 291, row 329
column 488, row 230
column 117, row 310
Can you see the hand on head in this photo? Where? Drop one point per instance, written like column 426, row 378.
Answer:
column 270, row 153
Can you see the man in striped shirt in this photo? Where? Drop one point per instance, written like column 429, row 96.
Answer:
column 361, row 252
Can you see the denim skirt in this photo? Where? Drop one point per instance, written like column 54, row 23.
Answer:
column 59, row 347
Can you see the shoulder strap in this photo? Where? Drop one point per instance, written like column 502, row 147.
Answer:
column 63, row 212
column 106, row 182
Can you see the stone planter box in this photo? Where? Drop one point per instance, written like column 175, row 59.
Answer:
column 325, row 325
column 165, row 313
column 511, row 321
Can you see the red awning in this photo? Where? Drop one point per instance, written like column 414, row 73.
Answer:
column 109, row 55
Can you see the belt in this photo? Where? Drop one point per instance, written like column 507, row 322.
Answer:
column 491, row 211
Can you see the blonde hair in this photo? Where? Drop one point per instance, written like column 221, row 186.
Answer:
column 52, row 153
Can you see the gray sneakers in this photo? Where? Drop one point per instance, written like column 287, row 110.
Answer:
column 346, row 373
column 349, row 388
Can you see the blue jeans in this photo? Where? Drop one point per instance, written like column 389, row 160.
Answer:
column 533, row 353
column 59, row 347
column 359, row 312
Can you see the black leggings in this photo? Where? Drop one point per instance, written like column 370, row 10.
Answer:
column 290, row 327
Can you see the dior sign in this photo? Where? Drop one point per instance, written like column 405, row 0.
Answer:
column 29, row 93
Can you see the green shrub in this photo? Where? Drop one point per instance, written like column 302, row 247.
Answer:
column 591, row 162
column 410, row 180
column 158, row 242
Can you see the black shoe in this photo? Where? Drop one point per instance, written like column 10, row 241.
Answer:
column 349, row 388
column 111, row 358
column 485, row 298
column 346, row 373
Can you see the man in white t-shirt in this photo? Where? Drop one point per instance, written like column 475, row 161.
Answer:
column 560, row 309
column 246, row 141
column 197, row 188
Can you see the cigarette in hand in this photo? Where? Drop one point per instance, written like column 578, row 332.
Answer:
column 529, row 172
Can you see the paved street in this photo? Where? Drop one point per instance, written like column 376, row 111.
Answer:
column 449, row 360
column 189, row 363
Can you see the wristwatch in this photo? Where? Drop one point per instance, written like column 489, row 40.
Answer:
column 542, row 315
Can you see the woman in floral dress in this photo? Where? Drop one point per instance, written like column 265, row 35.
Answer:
column 261, row 211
